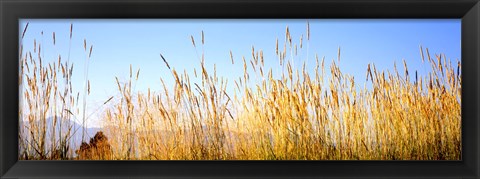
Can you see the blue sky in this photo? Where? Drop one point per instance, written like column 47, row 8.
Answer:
column 119, row 43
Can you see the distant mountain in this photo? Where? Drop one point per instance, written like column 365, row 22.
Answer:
column 76, row 131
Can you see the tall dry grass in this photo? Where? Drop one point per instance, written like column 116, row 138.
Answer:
column 297, row 115
column 47, row 100
column 48, row 103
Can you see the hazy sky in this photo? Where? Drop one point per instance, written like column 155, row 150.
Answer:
column 119, row 43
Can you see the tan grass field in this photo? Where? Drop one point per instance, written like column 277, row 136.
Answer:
column 324, row 115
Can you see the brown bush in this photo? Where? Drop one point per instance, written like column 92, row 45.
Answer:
column 97, row 149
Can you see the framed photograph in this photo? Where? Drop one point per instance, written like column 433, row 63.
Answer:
column 248, row 89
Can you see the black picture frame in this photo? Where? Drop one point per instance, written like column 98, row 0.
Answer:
column 12, row 10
